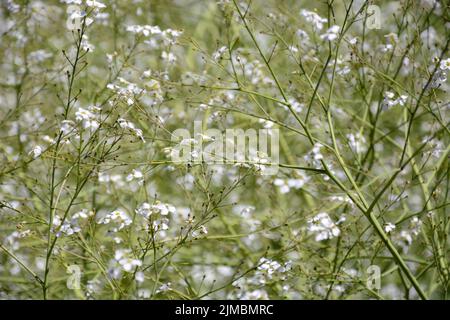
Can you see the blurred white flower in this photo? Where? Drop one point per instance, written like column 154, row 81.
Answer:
column 313, row 18
column 36, row 151
column 389, row 227
column 146, row 209
column 95, row 4
column 445, row 64
column 323, row 227
column 331, row 34
column 118, row 218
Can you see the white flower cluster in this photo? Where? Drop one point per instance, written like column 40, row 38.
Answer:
column 324, row 227
column 36, row 151
column 357, row 142
column 125, row 124
column 126, row 90
column 217, row 55
column 267, row 270
column 286, row 185
column 405, row 237
column 159, row 211
column 440, row 76
column 146, row 209
column 259, row 161
column 389, row 100
column 118, row 218
column 315, row 156
column 123, row 261
column 252, row 69
column 168, row 36
column 313, row 18
column 71, row 225
column 331, row 34
column 89, row 117
column 129, row 91
column 135, row 175
column 270, row 268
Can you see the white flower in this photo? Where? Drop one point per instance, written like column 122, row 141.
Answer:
column 331, row 33
column 286, row 185
column 267, row 269
column 69, row 227
column 144, row 293
column 135, row 174
column 389, row 227
column 296, row 106
column 283, row 187
column 169, row 56
column 353, row 41
column 161, row 224
column 217, row 55
column 165, row 287
column 39, row 55
column 147, row 73
column 389, row 100
column 118, row 217
column 266, row 123
column 401, row 100
column 146, row 209
column 315, row 154
column 201, row 231
column 36, row 152
column 83, row 214
column 139, row 277
column 79, row 2
column 125, row 259
column 268, row 266
column 415, row 225
column 406, row 237
column 323, row 227
column 77, row 15
column 357, row 142
column 144, row 30
column 130, row 126
column 312, row 17
column 86, row 45
column 87, row 118
column 445, row 64
column 95, row 4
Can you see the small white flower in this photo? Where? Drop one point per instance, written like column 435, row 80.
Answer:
column 87, row 118
column 312, row 17
column 130, row 126
column 353, row 41
column 135, row 174
column 95, row 4
column 125, row 259
column 165, row 287
column 118, row 217
column 445, row 64
column 389, row 227
column 219, row 53
column 36, row 152
column 323, row 227
column 169, row 56
column 146, row 209
column 139, row 277
column 331, row 33
column 389, row 100
column 357, row 142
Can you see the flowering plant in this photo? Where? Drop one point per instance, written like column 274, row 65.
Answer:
column 354, row 94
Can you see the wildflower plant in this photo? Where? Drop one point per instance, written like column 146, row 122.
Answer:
column 354, row 93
